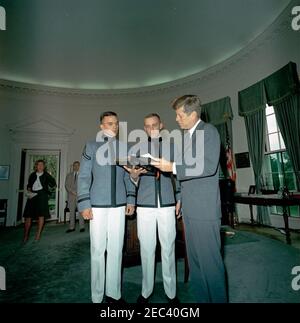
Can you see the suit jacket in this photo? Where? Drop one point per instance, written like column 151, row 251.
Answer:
column 200, row 192
column 101, row 185
column 150, row 187
column 71, row 185
column 47, row 181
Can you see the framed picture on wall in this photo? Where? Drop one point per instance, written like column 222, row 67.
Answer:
column 252, row 189
column 242, row 160
column 4, row 172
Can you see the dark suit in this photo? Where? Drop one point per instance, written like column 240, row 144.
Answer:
column 201, row 211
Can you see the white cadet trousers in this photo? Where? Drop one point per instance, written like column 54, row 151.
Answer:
column 106, row 233
column 148, row 220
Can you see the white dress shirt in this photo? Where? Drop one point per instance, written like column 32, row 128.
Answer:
column 191, row 131
column 37, row 184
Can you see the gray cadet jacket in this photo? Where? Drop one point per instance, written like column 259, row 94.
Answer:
column 156, row 184
column 102, row 184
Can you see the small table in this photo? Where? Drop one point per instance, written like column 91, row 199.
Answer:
column 269, row 200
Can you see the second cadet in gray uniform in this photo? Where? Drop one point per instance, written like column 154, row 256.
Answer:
column 156, row 211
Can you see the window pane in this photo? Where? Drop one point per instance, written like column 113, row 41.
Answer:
column 269, row 110
column 287, row 164
column 272, row 181
column 276, row 181
column 290, row 181
column 282, row 145
column 271, row 123
column 275, row 163
column 274, row 142
column 294, row 211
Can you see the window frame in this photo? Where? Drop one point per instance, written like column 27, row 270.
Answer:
column 275, row 210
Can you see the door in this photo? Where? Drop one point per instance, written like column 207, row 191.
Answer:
column 52, row 160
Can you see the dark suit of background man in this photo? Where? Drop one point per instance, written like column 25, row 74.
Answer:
column 201, row 207
column 71, row 188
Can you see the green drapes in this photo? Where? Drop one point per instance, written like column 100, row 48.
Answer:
column 281, row 89
column 271, row 90
column 252, row 99
column 282, row 84
column 288, row 117
column 219, row 113
column 256, row 129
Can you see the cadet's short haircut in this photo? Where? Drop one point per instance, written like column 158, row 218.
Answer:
column 107, row 114
column 152, row 115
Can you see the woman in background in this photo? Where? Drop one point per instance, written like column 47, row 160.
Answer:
column 38, row 190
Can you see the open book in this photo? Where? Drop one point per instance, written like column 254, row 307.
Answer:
column 134, row 161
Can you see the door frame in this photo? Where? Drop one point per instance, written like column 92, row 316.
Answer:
column 14, row 187
column 42, row 133
column 27, row 172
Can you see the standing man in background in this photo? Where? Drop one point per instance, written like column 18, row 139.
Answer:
column 71, row 188
column 200, row 196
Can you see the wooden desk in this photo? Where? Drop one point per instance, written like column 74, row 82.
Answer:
column 269, row 200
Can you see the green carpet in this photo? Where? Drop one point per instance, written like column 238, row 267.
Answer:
column 57, row 269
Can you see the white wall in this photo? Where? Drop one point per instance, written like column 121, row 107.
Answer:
column 80, row 110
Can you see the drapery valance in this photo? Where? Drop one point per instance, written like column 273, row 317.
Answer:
column 217, row 112
column 272, row 90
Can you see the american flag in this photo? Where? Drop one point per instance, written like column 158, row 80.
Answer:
column 230, row 160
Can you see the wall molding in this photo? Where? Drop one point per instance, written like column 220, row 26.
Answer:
column 279, row 26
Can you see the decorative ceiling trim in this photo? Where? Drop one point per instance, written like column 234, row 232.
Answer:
column 42, row 125
column 280, row 25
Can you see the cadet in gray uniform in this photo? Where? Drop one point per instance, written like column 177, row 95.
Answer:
column 200, row 197
column 105, row 194
column 156, row 211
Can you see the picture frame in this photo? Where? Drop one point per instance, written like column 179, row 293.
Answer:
column 252, row 189
column 242, row 160
column 4, row 172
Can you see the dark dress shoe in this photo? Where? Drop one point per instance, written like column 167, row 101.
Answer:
column 142, row 300
column 173, row 301
column 70, row 230
column 111, row 300
column 82, row 230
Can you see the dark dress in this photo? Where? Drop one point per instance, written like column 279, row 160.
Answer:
column 38, row 206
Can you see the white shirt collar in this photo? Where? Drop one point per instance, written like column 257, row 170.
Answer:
column 191, row 131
